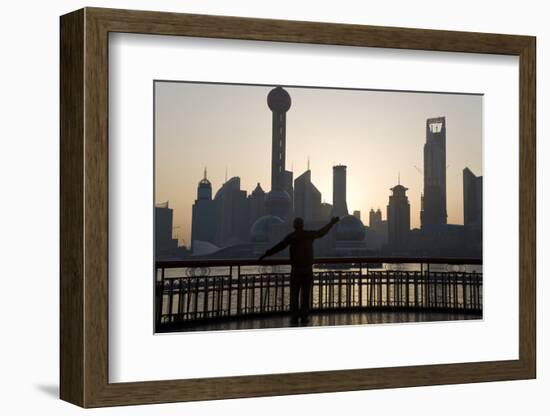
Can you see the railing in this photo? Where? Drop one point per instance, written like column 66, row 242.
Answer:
column 191, row 292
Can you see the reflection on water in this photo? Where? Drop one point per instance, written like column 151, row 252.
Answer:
column 335, row 319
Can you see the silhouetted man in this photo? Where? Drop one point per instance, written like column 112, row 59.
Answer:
column 301, row 260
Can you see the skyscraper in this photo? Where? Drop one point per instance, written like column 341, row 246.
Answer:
column 165, row 245
column 339, row 205
column 399, row 217
column 203, row 222
column 231, row 214
column 473, row 198
column 256, row 204
column 279, row 199
column 307, row 198
column 378, row 228
column 434, row 201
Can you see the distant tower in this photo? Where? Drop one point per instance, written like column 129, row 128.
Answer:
column 473, row 198
column 204, row 190
column 307, row 198
column 279, row 199
column 434, row 201
column 339, row 205
column 279, row 103
column 399, row 217
column 357, row 214
column 203, row 222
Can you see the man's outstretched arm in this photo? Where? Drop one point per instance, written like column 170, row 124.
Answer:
column 321, row 232
column 276, row 248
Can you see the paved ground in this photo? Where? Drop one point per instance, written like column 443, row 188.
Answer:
column 335, row 319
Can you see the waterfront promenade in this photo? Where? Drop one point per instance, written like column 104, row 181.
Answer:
column 246, row 294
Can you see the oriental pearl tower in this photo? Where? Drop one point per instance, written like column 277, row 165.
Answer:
column 279, row 199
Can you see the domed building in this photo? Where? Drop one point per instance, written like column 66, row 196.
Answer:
column 265, row 232
column 264, row 227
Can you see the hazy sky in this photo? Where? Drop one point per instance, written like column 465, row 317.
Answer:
column 377, row 134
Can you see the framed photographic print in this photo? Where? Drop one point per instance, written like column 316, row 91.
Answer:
column 256, row 207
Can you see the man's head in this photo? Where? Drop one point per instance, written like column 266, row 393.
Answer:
column 298, row 223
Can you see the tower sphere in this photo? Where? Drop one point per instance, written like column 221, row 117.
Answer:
column 278, row 100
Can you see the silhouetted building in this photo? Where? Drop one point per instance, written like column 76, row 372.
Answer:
column 266, row 231
column 166, row 247
column 378, row 226
column 203, row 224
column 448, row 240
column 339, row 205
column 399, row 217
column 375, row 217
column 326, row 211
column 279, row 199
column 307, row 198
column 263, row 228
column 256, row 204
column 434, row 200
column 232, row 226
column 473, row 199
column 278, row 203
column 350, row 228
column 349, row 233
column 286, row 180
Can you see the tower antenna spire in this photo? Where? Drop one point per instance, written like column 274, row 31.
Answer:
column 307, row 162
column 398, row 177
column 226, row 174
column 205, row 172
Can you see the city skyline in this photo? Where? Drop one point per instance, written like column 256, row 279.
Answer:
column 376, row 134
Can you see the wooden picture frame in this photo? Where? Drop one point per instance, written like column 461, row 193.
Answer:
column 84, row 207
